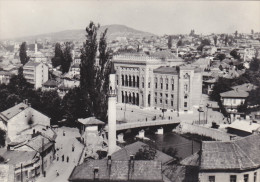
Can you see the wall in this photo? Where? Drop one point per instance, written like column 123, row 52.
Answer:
column 201, row 130
column 20, row 121
column 225, row 176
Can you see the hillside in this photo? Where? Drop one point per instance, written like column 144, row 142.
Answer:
column 113, row 32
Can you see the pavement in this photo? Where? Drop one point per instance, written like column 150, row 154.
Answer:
column 64, row 143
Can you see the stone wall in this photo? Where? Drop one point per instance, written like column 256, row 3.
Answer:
column 204, row 131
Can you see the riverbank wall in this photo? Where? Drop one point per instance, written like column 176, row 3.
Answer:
column 215, row 134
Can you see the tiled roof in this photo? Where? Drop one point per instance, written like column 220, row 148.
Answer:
column 166, row 70
column 235, row 93
column 118, row 171
column 50, row 83
column 241, row 154
column 91, row 121
column 164, row 55
column 245, row 87
column 16, row 157
column 37, row 142
column 132, row 149
column 11, row 112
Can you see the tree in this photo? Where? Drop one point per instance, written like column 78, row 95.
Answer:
column 23, row 55
column 215, row 38
column 58, row 56
column 169, row 42
column 203, row 43
column 221, row 56
column 179, row 43
column 192, row 32
column 94, row 75
column 2, row 139
column 236, row 33
column 226, row 39
column 66, row 58
column 254, row 64
column 235, row 54
column 146, row 153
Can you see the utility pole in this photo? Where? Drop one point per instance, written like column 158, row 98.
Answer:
column 21, row 172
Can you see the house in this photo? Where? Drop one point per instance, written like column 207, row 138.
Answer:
column 36, row 73
column 16, row 161
column 242, row 127
column 116, row 170
column 50, row 85
column 232, row 99
column 75, row 70
column 89, row 129
column 20, row 117
column 237, row 160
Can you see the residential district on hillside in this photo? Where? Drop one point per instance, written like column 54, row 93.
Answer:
column 180, row 108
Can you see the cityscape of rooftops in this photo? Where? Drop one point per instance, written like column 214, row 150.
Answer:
column 162, row 91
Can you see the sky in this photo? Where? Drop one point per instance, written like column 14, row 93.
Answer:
column 32, row 17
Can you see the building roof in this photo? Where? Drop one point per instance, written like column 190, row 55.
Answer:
column 166, row 70
column 39, row 143
column 243, row 125
column 245, row 87
column 13, row 111
column 238, row 155
column 118, row 171
column 17, row 157
column 192, row 160
column 50, row 83
column 90, row 121
column 164, row 55
column 235, row 94
column 132, row 149
column 32, row 64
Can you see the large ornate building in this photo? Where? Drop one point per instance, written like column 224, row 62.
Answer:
column 151, row 82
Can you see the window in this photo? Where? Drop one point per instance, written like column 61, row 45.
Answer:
column 161, row 85
column 185, row 96
column 155, row 100
column 233, row 178
column 172, row 96
column 156, row 85
column 166, row 101
column 172, row 86
column 185, row 87
column 160, row 100
column 255, row 176
column 171, row 103
column 166, row 86
column 166, row 95
column 143, row 84
column 149, row 84
column 245, row 177
column 160, row 94
column 155, row 93
column 211, row 178
column 185, row 104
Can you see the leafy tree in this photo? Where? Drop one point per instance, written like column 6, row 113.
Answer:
column 146, row 153
column 203, row 43
column 94, row 75
column 56, row 60
column 235, row 54
column 222, row 85
column 179, row 43
column 169, row 42
column 23, row 55
column 2, row 139
column 254, row 64
column 221, row 56
column 73, row 105
column 67, row 58
column 192, row 33
column 243, row 108
column 226, row 39
column 215, row 38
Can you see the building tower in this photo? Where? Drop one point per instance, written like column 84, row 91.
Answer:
column 112, row 115
column 35, row 48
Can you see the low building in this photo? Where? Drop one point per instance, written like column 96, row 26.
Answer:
column 116, row 170
column 20, row 117
column 242, row 127
column 50, row 85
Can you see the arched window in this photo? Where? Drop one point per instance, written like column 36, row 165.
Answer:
column 126, row 80
column 123, row 80
column 134, row 81
column 137, row 82
column 130, row 81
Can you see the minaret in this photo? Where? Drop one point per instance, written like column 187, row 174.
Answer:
column 112, row 115
column 35, row 47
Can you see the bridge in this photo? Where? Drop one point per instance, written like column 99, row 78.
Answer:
column 141, row 124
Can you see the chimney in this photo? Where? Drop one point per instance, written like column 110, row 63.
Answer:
column 96, row 175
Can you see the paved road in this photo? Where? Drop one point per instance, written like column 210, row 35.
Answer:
column 65, row 144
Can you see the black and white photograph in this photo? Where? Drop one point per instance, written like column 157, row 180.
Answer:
column 130, row 90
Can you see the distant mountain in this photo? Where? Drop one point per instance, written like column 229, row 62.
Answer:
column 113, row 32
